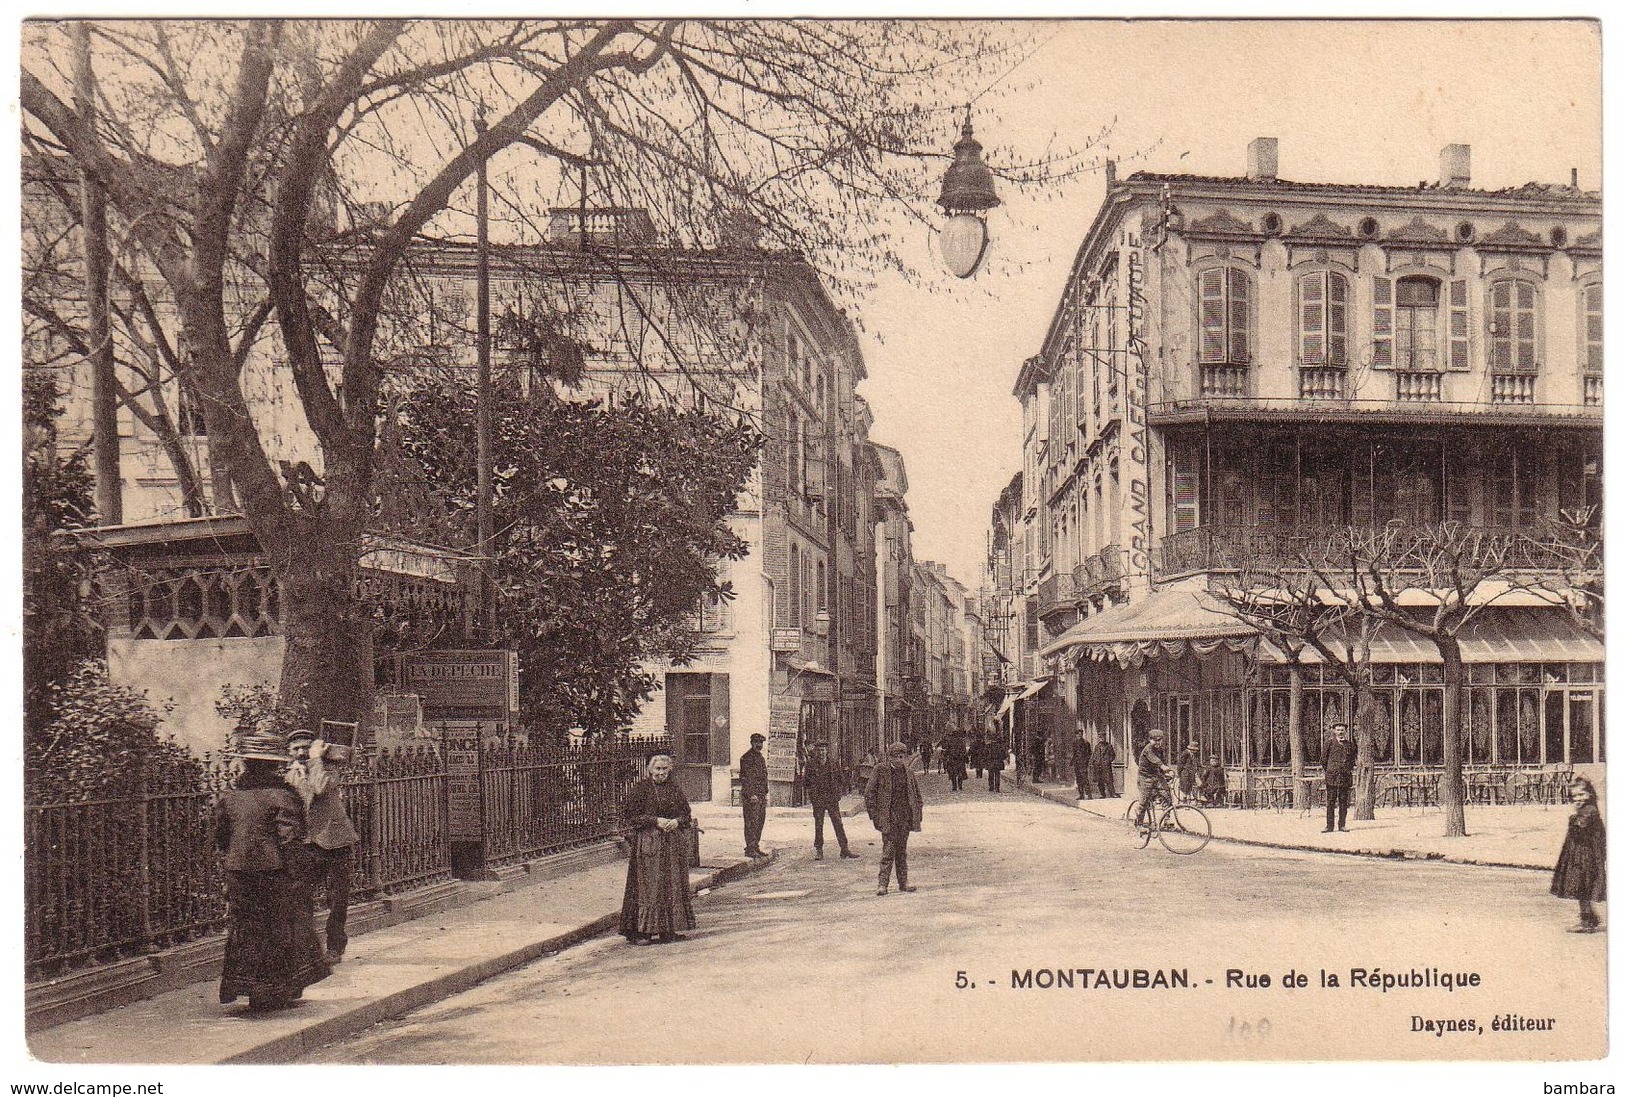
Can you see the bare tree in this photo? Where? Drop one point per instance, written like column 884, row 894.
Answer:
column 288, row 170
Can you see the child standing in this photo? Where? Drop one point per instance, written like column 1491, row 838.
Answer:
column 1582, row 866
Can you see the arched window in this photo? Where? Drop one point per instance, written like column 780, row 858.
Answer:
column 795, row 585
column 1226, row 317
column 1323, row 319
column 1514, row 305
column 1413, row 328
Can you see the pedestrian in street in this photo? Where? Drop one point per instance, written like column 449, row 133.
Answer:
column 978, row 754
column 825, row 783
column 925, row 756
column 657, row 905
column 1339, row 758
column 1213, row 783
column 994, row 758
column 1082, row 754
column 1154, row 773
column 1582, row 866
column 896, row 809
column 1190, row 770
column 1038, row 758
column 753, row 791
column 953, row 761
column 1102, row 759
column 272, row 951
column 331, row 837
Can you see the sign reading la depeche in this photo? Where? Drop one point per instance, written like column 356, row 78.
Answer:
column 463, row 685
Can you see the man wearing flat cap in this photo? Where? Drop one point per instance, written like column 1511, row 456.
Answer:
column 753, row 793
column 1154, row 773
column 896, row 808
column 313, row 774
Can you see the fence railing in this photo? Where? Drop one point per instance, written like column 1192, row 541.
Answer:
column 136, row 871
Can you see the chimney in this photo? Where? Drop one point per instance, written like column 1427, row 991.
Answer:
column 1456, row 166
column 1263, row 158
column 1111, row 174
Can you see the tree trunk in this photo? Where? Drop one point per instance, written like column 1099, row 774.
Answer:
column 323, row 676
column 1452, row 796
column 103, row 384
column 1294, row 720
column 1365, row 769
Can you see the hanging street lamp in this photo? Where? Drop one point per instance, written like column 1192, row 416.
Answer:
column 967, row 190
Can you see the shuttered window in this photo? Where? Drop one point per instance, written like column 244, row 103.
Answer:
column 1591, row 302
column 1460, row 358
column 1225, row 315
column 1323, row 326
column 1382, row 323
column 1416, row 324
column 1513, row 305
column 795, row 586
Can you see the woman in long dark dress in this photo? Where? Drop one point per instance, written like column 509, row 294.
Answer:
column 1582, row 866
column 272, row 951
column 657, row 906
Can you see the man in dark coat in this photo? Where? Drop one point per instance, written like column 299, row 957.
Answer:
column 953, row 761
column 993, row 758
column 1081, row 754
column 1190, row 770
column 978, row 754
column 896, row 808
column 1340, row 755
column 1102, row 759
column 825, row 783
column 753, row 792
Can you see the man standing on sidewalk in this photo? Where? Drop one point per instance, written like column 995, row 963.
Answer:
column 1102, row 759
column 896, row 808
column 1081, row 751
column 825, row 783
column 330, row 835
column 1340, row 755
column 753, row 791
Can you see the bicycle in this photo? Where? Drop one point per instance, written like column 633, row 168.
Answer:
column 1178, row 824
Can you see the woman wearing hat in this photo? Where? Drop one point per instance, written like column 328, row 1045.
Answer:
column 272, row 951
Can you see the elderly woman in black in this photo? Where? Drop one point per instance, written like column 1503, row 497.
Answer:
column 657, row 905
column 272, row 951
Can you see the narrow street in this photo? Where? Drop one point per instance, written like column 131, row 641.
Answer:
column 804, row 963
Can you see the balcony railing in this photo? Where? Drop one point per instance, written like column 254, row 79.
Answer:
column 1418, row 388
column 1224, row 382
column 1593, row 392
column 1322, row 383
column 1512, row 388
column 1264, row 549
column 1055, row 593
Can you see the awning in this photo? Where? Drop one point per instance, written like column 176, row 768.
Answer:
column 1516, row 634
column 1163, row 623
column 1021, row 691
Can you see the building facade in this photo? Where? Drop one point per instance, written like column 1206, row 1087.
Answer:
column 1241, row 366
column 736, row 330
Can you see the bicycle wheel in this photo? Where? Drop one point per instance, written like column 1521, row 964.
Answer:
column 1133, row 809
column 1184, row 828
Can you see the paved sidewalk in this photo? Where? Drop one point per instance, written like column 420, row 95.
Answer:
column 385, row 974
column 1523, row 836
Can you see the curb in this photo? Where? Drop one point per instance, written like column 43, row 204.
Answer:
column 283, row 1049
column 1383, row 854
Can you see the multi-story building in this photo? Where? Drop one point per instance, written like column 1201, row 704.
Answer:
column 736, row 329
column 894, row 564
column 1238, row 365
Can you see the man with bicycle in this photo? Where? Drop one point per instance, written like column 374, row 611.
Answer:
column 1154, row 773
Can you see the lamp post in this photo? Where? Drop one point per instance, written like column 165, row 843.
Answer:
column 967, row 191
column 482, row 422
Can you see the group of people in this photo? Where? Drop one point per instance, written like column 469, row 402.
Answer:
column 658, row 906
column 282, row 830
column 957, row 754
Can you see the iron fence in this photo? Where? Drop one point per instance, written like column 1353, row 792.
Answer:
column 540, row 799
column 136, row 871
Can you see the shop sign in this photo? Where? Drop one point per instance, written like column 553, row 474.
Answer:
column 481, row 684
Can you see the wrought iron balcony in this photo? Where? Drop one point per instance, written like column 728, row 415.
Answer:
column 1265, row 549
column 1056, row 593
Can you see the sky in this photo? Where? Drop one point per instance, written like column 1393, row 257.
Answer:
column 1349, row 102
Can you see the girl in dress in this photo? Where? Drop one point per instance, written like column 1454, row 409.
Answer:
column 1582, row 867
